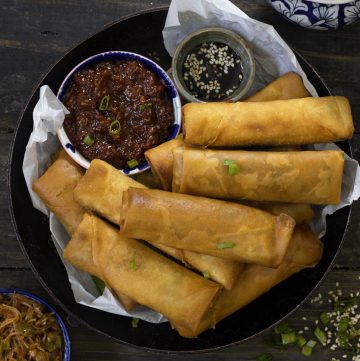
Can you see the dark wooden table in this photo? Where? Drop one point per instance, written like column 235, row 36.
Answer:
column 35, row 33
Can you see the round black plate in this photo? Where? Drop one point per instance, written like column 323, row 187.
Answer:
column 142, row 33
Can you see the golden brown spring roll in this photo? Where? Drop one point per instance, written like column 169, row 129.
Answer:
column 149, row 278
column 305, row 251
column 312, row 177
column 287, row 86
column 55, row 188
column 214, row 227
column 101, row 190
column 277, row 122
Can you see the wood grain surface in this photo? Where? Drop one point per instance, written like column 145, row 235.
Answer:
column 35, row 33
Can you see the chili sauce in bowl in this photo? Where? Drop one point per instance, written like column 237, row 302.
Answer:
column 213, row 64
column 121, row 104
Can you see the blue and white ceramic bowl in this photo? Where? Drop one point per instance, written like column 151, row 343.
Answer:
column 318, row 14
column 120, row 55
column 64, row 331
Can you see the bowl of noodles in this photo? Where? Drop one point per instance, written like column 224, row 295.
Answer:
column 30, row 329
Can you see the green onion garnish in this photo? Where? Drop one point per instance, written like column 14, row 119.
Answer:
column 104, row 102
column 343, row 324
column 320, row 335
column 287, row 338
column 145, row 105
column 265, row 357
column 282, row 328
column 233, row 169
column 100, row 285
column 115, row 127
column 133, row 265
column 132, row 163
column 324, row 318
column 206, row 274
column 135, row 322
column 225, row 245
column 307, row 349
column 344, row 304
column 89, row 140
column 300, row 340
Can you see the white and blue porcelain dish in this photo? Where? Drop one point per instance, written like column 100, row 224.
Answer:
column 64, row 332
column 318, row 14
column 120, row 55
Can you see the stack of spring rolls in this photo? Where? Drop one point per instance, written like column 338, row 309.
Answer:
column 229, row 223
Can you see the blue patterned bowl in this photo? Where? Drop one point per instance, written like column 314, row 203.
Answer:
column 120, row 55
column 318, row 14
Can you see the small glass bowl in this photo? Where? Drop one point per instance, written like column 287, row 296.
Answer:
column 220, row 35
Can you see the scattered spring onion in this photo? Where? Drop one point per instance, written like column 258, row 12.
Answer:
column 135, row 322
column 343, row 323
column 300, row 340
column 324, row 318
column 282, row 328
column 145, row 105
column 206, row 274
column 100, row 285
column 320, row 335
column 265, row 357
column 134, row 265
column 308, row 348
column 88, row 140
column 104, row 102
column 225, row 245
column 115, row 127
column 233, row 169
column 288, row 338
column 345, row 303
column 132, row 163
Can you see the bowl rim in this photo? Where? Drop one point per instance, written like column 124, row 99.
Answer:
column 61, row 323
column 230, row 34
column 332, row 2
column 96, row 58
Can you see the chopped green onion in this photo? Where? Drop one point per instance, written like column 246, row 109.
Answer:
column 282, row 328
column 133, row 265
column 225, row 245
column 300, row 340
column 135, row 322
column 265, row 357
column 89, row 140
column 233, row 169
column 325, row 318
column 343, row 305
column 275, row 342
column 132, row 163
column 100, row 285
column 288, row 338
column 115, row 127
column 307, row 349
column 320, row 335
column 206, row 274
column 145, row 105
column 104, row 102
column 343, row 324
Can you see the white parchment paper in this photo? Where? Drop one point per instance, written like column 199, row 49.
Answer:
column 273, row 58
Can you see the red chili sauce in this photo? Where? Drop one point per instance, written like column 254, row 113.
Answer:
column 118, row 110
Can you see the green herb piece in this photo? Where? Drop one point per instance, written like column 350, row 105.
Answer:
column 282, row 328
column 88, row 140
column 225, row 245
column 132, row 163
column 300, row 340
column 233, row 169
column 320, row 335
column 275, row 342
column 115, row 127
column 288, row 338
column 344, row 304
column 343, row 323
column 206, row 274
column 100, row 285
column 104, row 102
column 308, row 348
column 145, row 105
column 133, row 265
column 265, row 357
column 25, row 328
column 135, row 322
column 324, row 318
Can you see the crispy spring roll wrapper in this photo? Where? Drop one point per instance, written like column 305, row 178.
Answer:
column 305, row 251
column 277, row 122
column 101, row 190
column 151, row 279
column 287, row 86
column 55, row 188
column 312, row 177
column 214, row 227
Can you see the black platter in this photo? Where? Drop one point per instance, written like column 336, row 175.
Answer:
column 142, row 33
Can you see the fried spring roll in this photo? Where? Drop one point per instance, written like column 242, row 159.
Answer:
column 277, row 122
column 214, row 227
column 101, row 190
column 312, row 177
column 149, row 278
column 305, row 251
column 287, row 86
